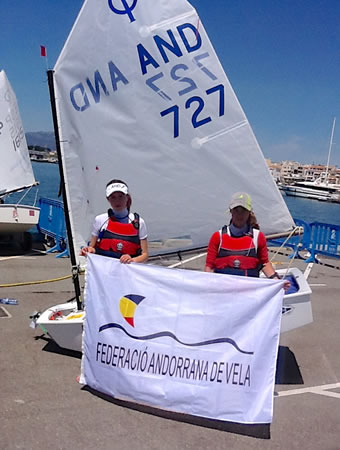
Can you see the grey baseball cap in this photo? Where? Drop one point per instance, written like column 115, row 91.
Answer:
column 241, row 199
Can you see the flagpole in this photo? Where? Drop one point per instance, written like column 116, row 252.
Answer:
column 75, row 269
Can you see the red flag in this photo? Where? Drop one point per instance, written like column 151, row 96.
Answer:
column 42, row 50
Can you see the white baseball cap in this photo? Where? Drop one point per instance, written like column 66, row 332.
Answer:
column 116, row 187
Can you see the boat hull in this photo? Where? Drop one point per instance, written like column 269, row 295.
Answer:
column 17, row 218
column 291, row 193
column 64, row 323
column 296, row 307
column 326, row 194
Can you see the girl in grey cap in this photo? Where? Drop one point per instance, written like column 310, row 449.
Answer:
column 240, row 248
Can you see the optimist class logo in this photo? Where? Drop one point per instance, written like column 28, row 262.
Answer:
column 126, row 9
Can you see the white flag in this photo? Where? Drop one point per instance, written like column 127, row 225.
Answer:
column 192, row 342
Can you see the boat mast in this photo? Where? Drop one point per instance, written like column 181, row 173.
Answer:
column 329, row 150
column 75, row 270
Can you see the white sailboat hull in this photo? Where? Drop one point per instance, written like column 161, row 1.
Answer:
column 297, row 307
column 17, row 218
column 65, row 329
column 64, row 323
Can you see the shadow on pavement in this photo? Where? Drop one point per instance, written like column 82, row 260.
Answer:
column 260, row 431
column 52, row 347
column 14, row 249
column 287, row 368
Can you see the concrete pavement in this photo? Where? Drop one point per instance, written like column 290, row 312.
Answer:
column 42, row 405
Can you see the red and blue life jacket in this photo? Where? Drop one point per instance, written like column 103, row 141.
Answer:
column 119, row 238
column 238, row 255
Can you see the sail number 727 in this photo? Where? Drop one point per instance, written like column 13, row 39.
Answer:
column 197, row 104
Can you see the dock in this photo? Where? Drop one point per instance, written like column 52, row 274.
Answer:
column 43, row 406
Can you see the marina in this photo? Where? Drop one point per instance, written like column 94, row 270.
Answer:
column 40, row 397
column 209, row 360
column 321, row 188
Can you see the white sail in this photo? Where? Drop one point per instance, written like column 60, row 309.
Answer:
column 142, row 96
column 15, row 168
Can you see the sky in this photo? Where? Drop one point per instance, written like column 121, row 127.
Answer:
column 281, row 57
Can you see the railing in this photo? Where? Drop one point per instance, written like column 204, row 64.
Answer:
column 318, row 238
column 52, row 224
column 325, row 240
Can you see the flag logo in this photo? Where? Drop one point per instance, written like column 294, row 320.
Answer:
column 128, row 305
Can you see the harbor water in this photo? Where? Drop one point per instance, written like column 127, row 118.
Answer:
column 310, row 210
column 307, row 210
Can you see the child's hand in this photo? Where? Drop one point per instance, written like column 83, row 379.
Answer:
column 287, row 285
column 85, row 250
column 126, row 259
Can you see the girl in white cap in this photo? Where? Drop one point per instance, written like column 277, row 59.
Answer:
column 240, row 248
column 119, row 233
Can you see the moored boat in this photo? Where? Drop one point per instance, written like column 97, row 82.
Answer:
column 16, row 173
column 314, row 190
column 17, row 218
column 320, row 189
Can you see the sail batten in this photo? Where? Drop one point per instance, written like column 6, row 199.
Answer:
column 142, row 96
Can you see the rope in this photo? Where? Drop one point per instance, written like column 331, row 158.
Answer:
column 27, row 283
column 283, row 244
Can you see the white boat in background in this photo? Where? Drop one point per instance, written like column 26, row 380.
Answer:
column 320, row 189
column 17, row 218
column 16, row 173
column 316, row 190
column 162, row 115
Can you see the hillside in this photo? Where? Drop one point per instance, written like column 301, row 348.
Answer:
column 41, row 138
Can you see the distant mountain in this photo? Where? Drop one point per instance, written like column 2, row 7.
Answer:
column 41, row 138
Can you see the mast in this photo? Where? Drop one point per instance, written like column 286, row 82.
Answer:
column 75, row 270
column 329, row 150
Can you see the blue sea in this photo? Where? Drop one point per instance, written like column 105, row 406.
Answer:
column 300, row 208
column 48, row 176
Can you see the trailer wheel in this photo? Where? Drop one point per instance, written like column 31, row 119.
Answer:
column 50, row 241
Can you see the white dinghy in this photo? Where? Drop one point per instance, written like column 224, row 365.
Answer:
column 143, row 97
column 16, row 173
